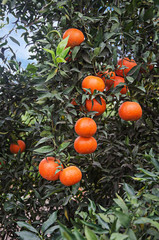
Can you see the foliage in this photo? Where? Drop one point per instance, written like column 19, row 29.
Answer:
column 35, row 106
column 134, row 217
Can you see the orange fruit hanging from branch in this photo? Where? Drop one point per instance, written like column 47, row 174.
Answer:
column 118, row 80
column 48, row 167
column 85, row 145
column 16, row 147
column 85, row 127
column 130, row 111
column 70, row 176
column 96, row 106
column 94, row 83
column 125, row 62
column 107, row 77
column 76, row 37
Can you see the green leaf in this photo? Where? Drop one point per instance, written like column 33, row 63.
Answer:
column 145, row 220
column 25, row 235
column 55, row 31
column 95, row 227
column 131, row 235
column 60, row 60
column 134, row 71
column 9, row 205
column 75, row 51
column 107, row 218
column 63, row 146
column 141, row 88
column 149, row 13
column 31, row 68
column 107, row 36
column 51, row 230
column 61, row 46
column 118, row 236
column 4, row 2
column 97, row 51
column 78, row 235
column 90, row 235
column 102, row 223
column 121, row 204
column 91, row 206
column 130, row 79
column 44, row 139
column 155, row 163
column 51, row 75
column 151, row 197
column 52, row 54
column 148, row 173
column 135, row 151
column 27, row 226
column 129, row 189
column 65, row 232
column 14, row 40
column 49, row 222
column 64, row 52
column 117, row 10
column 115, row 56
column 65, row 202
column 123, row 218
column 44, row 149
column 114, row 19
column 69, row 117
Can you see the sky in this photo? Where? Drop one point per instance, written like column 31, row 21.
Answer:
column 22, row 52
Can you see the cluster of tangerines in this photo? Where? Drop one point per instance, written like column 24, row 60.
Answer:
column 85, row 143
column 128, row 111
column 51, row 168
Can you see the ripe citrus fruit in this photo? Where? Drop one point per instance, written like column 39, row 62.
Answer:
column 70, row 176
column 118, row 80
column 129, row 64
column 93, row 83
column 85, row 127
column 76, row 37
column 79, row 107
column 108, row 78
column 48, row 167
column 150, row 66
column 73, row 102
column 85, row 145
column 130, row 111
column 97, row 107
column 15, row 147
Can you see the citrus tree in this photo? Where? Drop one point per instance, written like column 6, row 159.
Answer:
column 42, row 104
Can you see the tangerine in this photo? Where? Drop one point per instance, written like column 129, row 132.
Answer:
column 73, row 102
column 96, row 106
column 128, row 63
column 85, row 145
column 130, row 111
column 120, row 80
column 85, row 127
column 48, row 166
column 70, row 176
column 76, row 37
column 94, row 83
column 16, row 147
column 108, row 78
column 150, row 66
